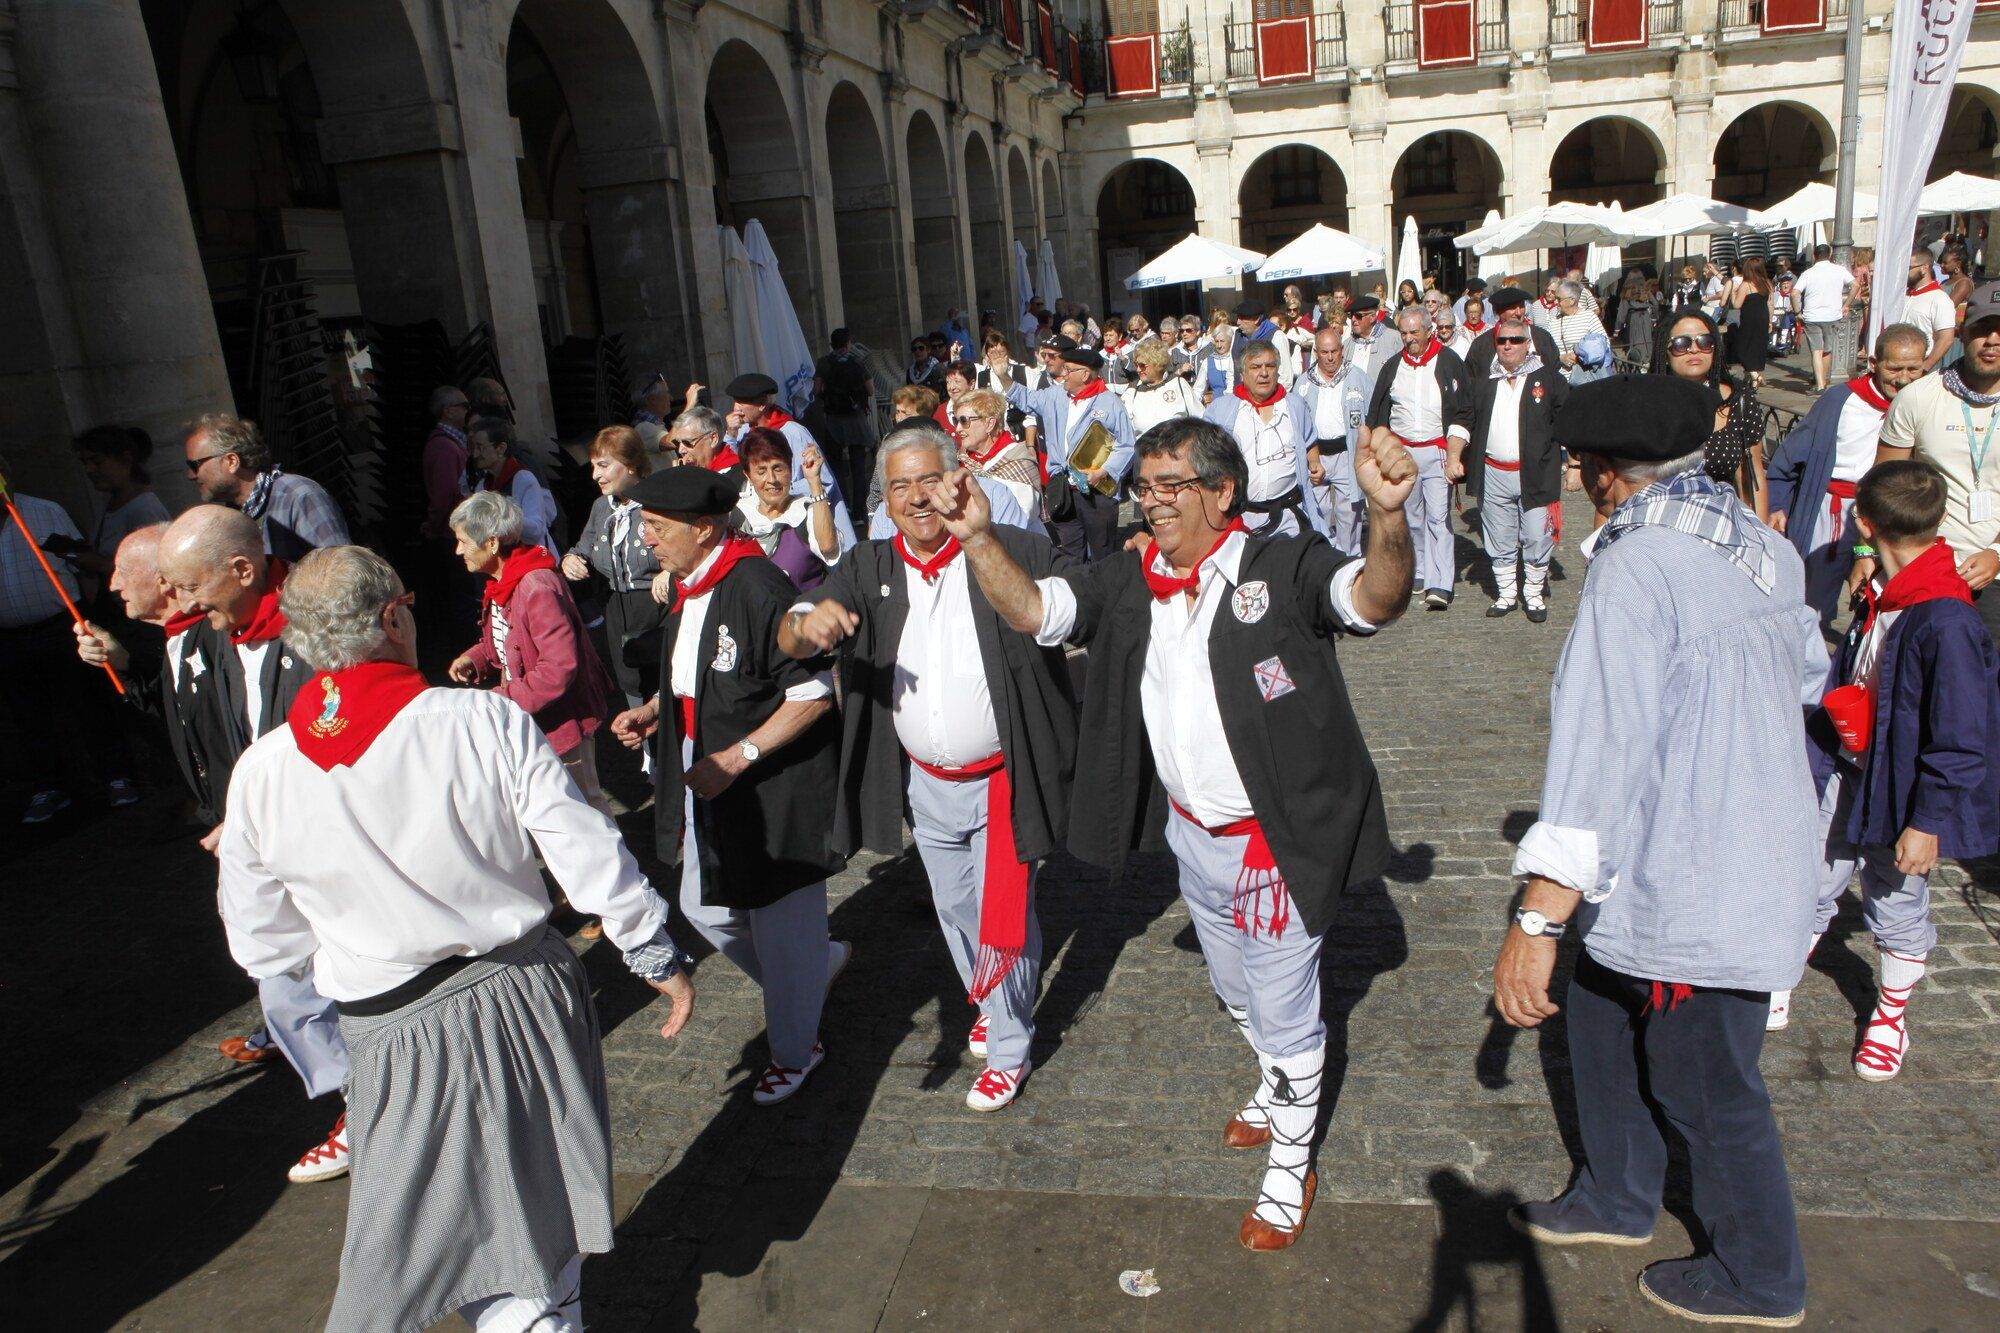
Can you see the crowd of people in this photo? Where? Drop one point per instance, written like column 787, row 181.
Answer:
column 804, row 679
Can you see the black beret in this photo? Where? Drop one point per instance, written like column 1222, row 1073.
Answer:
column 1638, row 418
column 1507, row 298
column 750, row 387
column 1059, row 342
column 1081, row 356
column 687, row 490
column 1475, row 284
column 1250, row 310
column 1361, row 305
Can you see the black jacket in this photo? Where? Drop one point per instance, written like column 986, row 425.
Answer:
column 189, row 707
column 1454, row 391
column 1479, row 356
column 1303, row 761
column 1029, row 686
column 770, row 833
column 280, row 677
column 1541, row 456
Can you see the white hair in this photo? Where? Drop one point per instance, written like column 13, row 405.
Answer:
column 1570, row 290
column 915, row 435
column 1646, row 474
column 484, row 515
column 1416, row 312
column 333, row 604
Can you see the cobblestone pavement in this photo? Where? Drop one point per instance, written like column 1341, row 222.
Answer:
column 117, row 988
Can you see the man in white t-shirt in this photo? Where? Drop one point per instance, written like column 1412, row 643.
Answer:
column 1821, row 292
column 1930, row 308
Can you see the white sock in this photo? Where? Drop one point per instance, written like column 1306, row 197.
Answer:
column 1504, row 582
column 1886, row 1026
column 1294, row 1108
column 1535, row 585
column 1256, row 1110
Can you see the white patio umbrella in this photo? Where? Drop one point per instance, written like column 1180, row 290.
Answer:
column 1814, row 203
column 787, row 359
column 1024, row 285
column 1319, row 250
column 1691, row 215
column 1550, row 227
column 1960, row 193
column 1049, row 286
column 739, row 287
column 1409, row 257
column 1195, row 259
column 1495, row 266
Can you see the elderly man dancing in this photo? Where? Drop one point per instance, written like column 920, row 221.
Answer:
column 1212, row 669
column 964, row 723
column 1681, row 686
column 386, row 834
column 1423, row 399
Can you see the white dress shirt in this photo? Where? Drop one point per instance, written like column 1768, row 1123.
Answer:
column 1416, row 403
column 1177, row 691
column 1270, row 448
column 422, row 849
column 943, row 708
column 251, row 657
column 1503, row 429
column 684, row 667
column 1855, row 436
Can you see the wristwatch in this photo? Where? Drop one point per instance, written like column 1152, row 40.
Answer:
column 751, row 754
column 1532, row 922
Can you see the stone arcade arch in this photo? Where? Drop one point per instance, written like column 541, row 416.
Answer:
column 1285, row 191
column 1447, row 180
column 934, row 221
column 1769, row 151
column 1021, row 195
column 1606, row 160
column 867, row 236
column 1143, row 207
column 1971, row 138
column 992, row 256
column 758, row 173
column 1055, row 226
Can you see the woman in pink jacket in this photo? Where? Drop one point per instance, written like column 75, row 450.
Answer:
column 531, row 636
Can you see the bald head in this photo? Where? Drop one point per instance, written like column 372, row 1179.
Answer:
column 135, row 576
column 214, row 557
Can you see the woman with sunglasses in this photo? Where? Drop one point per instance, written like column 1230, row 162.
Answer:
column 987, row 449
column 1692, row 350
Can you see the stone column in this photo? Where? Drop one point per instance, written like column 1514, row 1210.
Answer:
column 819, row 299
column 108, row 310
column 1693, row 91
column 631, row 201
column 686, row 120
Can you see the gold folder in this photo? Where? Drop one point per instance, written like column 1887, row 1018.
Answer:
column 1091, row 454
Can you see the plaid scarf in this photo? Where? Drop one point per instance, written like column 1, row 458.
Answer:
column 450, row 432
column 260, row 493
column 1693, row 503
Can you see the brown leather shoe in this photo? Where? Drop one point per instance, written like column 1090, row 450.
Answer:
column 1257, row 1234
column 242, row 1052
column 1240, row 1133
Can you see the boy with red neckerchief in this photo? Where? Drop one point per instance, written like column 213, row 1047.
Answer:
column 1905, row 747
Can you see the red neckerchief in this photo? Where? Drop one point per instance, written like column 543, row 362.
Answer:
column 335, row 723
column 1930, row 286
column 1930, row 577
column 267, row 622
column 1547, row 304
column 725, row 459
column 932, row 568
column 1864, row 389
column 736, row 548
column 776, row 418
column 516, row 565
column 1475, row 329
column 181, row 622
column 1277, row 395
column 1090, row 390
column 1163, row 586
column 1430, row 351
column 503, row 480
column 1001, row 444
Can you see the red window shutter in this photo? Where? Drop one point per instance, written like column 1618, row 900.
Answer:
column 969, row 8
column 1074, row 45
column 1794, row 15
column 1135, row 65
column 1010, row 22
column 1045, row 33
column 1616, row 25
column 1444, row 33
column 1284, row 50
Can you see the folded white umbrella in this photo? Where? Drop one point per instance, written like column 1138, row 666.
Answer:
column 1690, row 215
column 1024, row 286
column 739, row 286
column 1320, row 250
column 1814, row 203
column 1195, row 259
column 1960, row 193
column 1495, row 266
column 1409, row 257
column 1050, row 286
column 787, row 358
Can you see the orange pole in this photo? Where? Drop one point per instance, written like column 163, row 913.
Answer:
column 54, row 582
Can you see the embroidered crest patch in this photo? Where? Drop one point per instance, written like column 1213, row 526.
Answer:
column 1251, row 601
column 329, row 723
column 1273, row 681
column 725, row 649
column 885, row 590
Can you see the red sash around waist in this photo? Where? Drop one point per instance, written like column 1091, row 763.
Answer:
column 1003, row 903
column 1259, row 874
column 1514, row 466
column 1437, row 443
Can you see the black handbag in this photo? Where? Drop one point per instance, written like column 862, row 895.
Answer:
column 1058, row 498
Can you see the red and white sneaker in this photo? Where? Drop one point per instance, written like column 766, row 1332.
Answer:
column 1779, row 1016
column 997, row 1087
column 780, row 1082
column 1883, row 1045
column 329, row 1161
column 976, row 1043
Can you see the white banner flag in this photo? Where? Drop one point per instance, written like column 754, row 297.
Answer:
column 1924, row 49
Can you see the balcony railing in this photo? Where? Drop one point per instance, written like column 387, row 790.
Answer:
column 1570, row 24
column 1286, row 50
column 1776, row 17
column 1135, row 65
column 1437, row 34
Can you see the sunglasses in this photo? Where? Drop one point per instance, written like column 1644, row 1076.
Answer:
column 194, row 464
column 1513, row 340
column 1685, row 343
column 967, row 420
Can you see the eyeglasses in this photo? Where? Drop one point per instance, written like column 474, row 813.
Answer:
column 194, row 464
column 1168, row 490
column 1696, row 342
column 1512, row 340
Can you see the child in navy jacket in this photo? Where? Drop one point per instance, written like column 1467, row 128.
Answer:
column 1906, row 749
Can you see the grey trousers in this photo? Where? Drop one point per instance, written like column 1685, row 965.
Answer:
column 1831, row 560
column 1429, row 512
column 1276, row 979
column 783, row 948
column 1345, row 507
column 949, row 823
column 303, row 1025
column 1897, row 907
column 1510, row 530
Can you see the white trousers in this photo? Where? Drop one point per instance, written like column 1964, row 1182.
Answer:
column 1429, row 513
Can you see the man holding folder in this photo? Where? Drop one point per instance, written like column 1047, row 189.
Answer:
column 1089, row 440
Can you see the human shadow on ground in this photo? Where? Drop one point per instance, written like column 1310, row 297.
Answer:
column 1473, row 1234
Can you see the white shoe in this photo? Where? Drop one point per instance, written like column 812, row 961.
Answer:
column 976, row 1042
column 837, row 965
column 328, row 1161
column 778, row 1082
column 997, row 1087
column 1780, row 1016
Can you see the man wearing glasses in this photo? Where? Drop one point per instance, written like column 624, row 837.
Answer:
column 1369, row 345
column 1078, row 400
column 1513, row 454
column 229, row 462
column 1215, row 710
column 1479, row 359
